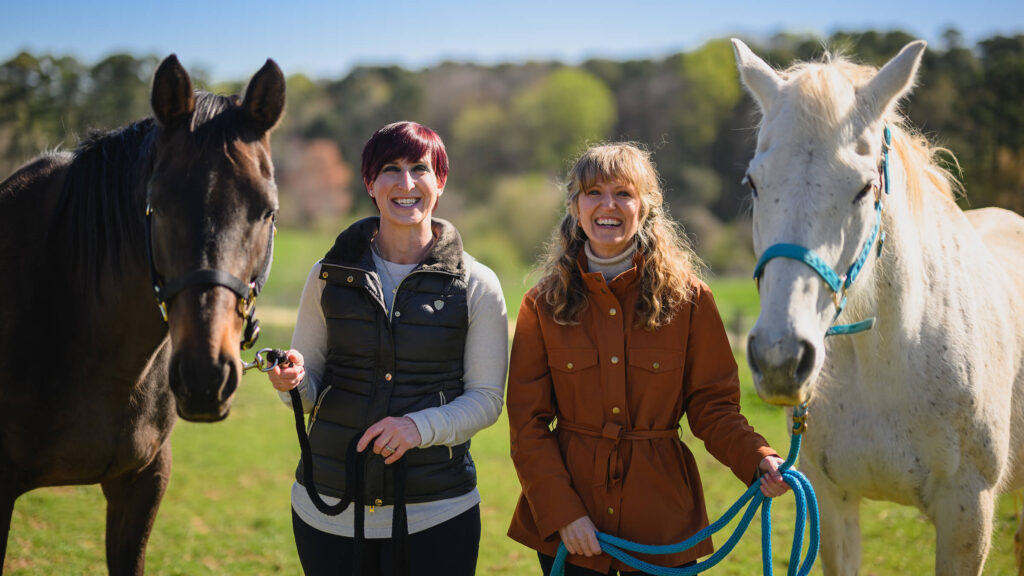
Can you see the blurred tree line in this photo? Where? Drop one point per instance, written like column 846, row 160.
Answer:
column 512, row 129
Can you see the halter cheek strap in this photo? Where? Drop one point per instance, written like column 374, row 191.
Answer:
column 838, row 284
column 246, row 292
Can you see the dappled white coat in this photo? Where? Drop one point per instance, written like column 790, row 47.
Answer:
column 927, row 408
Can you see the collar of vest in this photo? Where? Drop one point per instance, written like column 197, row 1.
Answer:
column 352, row 248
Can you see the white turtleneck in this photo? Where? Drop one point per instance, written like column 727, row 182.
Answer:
column 610, row 267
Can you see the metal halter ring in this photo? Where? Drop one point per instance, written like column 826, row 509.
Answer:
column 274, row 357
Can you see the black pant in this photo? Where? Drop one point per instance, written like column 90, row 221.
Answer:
column 449, row 548
column 571, row 570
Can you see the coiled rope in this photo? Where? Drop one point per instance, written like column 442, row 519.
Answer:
column 806, row 517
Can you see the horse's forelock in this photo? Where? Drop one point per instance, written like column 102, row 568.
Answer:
column 825, row 94
column 215, row 121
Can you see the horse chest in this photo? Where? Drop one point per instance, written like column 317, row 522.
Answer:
column 888, row 440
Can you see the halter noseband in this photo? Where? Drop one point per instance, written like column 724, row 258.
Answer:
column 246, row 292
column 838, row 284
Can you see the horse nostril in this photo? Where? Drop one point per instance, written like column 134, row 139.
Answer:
column 805, row 361
column 755, row 369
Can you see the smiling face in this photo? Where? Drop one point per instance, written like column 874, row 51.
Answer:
column 406, row 192
column 609, row 213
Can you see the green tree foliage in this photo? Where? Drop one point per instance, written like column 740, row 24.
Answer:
column 562, row 113
column 367, row 99
column 512, row 129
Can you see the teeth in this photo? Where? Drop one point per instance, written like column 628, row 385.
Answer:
column 406, row 201
column 607, row 222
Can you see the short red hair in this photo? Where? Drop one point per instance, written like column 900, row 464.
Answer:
column 407, row 140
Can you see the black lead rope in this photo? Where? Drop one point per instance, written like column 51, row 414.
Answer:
column 355, row 466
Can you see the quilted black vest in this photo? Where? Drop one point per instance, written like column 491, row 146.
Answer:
column 380, row 365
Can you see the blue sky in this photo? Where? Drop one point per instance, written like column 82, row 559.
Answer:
column 327, row 38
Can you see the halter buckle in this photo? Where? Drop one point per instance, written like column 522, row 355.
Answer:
column 248, row 304
column 839, row 296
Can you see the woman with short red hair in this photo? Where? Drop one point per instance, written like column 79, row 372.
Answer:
column 400, row 349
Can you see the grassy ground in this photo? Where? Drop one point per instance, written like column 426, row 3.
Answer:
column 227, row 511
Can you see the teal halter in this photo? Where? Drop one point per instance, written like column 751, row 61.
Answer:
column 838, row 284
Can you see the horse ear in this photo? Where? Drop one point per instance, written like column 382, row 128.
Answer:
column 892, row 82
column 761, row 79
column 265, row 97
column 172, row 99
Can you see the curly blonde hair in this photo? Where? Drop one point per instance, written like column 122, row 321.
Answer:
column 670, row 267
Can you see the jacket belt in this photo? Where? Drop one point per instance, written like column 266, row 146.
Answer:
column 607, row 455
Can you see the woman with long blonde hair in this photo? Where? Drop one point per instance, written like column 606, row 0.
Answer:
column 618, row 340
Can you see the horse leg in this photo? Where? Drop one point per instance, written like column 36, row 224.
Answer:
column 132, row 503
column 840, row 526
column 963, row 527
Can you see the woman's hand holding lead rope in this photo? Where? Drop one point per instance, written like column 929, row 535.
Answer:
column 394, row 437
column 772, row 484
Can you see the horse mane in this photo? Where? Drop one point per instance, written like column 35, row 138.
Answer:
column 825, row 93
column 100, row 209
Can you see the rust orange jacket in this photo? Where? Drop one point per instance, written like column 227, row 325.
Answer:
column 618, row 393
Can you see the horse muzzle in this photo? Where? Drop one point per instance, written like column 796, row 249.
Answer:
column 783, row 368
column 204, row 387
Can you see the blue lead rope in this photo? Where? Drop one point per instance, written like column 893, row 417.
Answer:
column 806, row 515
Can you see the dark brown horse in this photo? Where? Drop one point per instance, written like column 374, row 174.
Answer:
column 92, row 375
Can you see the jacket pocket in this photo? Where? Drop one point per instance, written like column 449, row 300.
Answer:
column 655, row 360
column 575, row 377
column 568, row 361
column 658, row 371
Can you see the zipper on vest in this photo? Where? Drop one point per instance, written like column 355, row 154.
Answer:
column 440, row 393
column 316, row 407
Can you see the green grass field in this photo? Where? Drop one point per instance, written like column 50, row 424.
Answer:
column 227, row 508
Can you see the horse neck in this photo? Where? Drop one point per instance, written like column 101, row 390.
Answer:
column 100, row 232
column 919, row 262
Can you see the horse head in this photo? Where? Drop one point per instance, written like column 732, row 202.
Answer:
column 816, row 182
column 211, row 207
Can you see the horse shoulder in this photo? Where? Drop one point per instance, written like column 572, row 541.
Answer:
column 1001, row 230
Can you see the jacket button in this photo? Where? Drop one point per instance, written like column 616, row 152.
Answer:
column 612, row 312
column 378, row 502
column 350, row 279
column 616, row 410
column 615, row 359
column 657, row 365
column 398, row 313
column 568, row 366
column 323, row 274
column 611, row 510
column 388, row 376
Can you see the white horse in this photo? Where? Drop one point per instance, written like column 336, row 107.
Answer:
column 927, row 407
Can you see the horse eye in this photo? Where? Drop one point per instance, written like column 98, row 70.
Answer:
column 750, row 182
column 864, row 192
